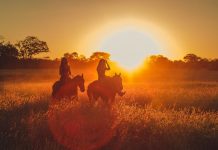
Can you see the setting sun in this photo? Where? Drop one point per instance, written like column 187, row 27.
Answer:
column 129, row 47
column 130, row 41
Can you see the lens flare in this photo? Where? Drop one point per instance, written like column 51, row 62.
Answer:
column 80, row 127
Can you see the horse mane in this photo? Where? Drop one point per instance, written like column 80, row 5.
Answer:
column 77, row 77
column 109, row 82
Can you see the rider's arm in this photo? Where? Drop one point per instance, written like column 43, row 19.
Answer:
column 107, row 66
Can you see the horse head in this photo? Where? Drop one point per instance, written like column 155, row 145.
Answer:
column 118, row 85
column 80, row 82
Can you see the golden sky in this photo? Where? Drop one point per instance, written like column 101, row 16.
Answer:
column 184, row 26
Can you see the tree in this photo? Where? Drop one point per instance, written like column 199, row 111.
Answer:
column 67, row 55
column 75, row 55
column 159, row 60
column 99, row 55
column 82, row 58
column 8, row 55
column 191, row 58
column 31, row 46
column 72, row 56
column 8, row 51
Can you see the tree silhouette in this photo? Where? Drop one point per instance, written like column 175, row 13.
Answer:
column 31, row 46
column 159, row 61
column 191, row 58
column 75, row 55
column 82, row 58
column 8, row 55
column 8, row 51
column 99, row 55
column 72, row 56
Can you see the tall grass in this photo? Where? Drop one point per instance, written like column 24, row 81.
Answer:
column 153, row 116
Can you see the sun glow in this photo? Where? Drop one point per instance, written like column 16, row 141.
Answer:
column 129, row 47
column 130, row 42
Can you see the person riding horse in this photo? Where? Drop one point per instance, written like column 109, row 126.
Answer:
column 102, row 68
column 66, row 87
column 105, row 87
column 64, row 70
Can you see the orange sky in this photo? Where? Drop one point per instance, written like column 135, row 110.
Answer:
column 68, row 25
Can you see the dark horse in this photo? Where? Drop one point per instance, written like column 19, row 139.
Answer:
column 106, row 89
column 69, row 88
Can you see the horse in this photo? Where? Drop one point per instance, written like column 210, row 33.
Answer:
column 106, row 89
column 68, row 89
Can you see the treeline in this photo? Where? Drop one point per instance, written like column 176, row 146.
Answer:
column 21, row 55
column 189, row 61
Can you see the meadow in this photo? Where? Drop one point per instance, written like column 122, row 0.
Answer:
column 153, row 115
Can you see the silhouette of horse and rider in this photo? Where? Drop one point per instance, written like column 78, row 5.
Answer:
column 105, row 87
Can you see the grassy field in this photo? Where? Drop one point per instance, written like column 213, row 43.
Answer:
column 159, row 115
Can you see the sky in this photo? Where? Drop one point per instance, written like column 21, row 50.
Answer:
column 187, row 26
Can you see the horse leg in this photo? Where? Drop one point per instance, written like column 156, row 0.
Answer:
column 95, row 97
column 76, row 97
column 92, row 96
column 105, row 100
column 112, row 99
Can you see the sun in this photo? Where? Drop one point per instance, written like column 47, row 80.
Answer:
column 130, row 46
column 131, row 41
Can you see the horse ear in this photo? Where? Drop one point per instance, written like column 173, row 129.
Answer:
column 82, row 75
column 115, row 74
column 119, row 74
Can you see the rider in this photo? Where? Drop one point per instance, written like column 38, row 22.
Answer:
column 101, row 69
column 64, row 70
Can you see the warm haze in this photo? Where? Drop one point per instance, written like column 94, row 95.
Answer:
column 172, row 28
column 108, row 75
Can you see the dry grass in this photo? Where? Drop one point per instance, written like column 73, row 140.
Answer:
column 150, row 116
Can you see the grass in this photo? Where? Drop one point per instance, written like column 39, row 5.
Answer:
column 151, row 116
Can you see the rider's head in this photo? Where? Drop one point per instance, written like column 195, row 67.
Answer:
column 64, row 61
column 102, row 62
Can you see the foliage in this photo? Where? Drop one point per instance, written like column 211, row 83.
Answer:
column 99, row 55
column 31, row 46
column 191, row 58
column 158, row 60
column 8, row 50
column 75, row 57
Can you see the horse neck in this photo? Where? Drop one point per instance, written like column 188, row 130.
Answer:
column 112, row 84
column 75, row 81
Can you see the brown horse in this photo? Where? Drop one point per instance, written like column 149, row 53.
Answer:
column 69, row 88
column 106, row 89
